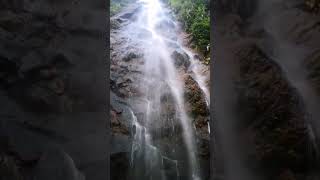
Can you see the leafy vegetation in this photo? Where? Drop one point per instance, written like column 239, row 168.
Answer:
column 117, row 5
column 196, row 18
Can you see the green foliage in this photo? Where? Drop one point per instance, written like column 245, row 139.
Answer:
column 196, row 19
column 114, row 8
column 117, row 5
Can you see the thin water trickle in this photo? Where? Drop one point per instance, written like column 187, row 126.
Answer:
column 197, row 69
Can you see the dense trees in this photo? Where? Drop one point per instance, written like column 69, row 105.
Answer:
column 195, row 16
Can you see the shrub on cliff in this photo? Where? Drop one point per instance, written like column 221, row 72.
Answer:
column 196, row 20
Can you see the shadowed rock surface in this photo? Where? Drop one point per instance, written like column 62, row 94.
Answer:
column 272, row 117
column 52, row 90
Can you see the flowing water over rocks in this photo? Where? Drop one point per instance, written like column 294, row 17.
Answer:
column 160, row 96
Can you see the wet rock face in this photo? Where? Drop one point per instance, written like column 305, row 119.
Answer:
column 181, row 59
column 198, row 111
column 273, row 113
column 115, row 24
column 126, row 73
column 117, row 125
column 131, row 55
column 160, row 115
column 195, row 97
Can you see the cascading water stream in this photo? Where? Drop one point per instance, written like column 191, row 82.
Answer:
column 196, row 68
column 160, row 78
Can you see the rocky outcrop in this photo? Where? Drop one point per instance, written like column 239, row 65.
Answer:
column 195, row 97
column 181, row 59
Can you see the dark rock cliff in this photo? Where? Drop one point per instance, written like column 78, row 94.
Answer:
column 272, row 123
column 53, row 89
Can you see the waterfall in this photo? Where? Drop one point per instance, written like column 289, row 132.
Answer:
column 155, row 32
column 160, row 66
